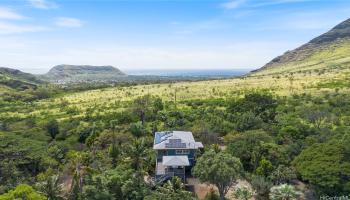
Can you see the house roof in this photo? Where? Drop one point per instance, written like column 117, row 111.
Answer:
column 175, row 140
column 199, row 145
column 176, row 161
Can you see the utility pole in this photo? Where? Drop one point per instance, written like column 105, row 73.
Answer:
column 175, row 97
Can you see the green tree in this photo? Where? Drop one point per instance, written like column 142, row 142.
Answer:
column 96, row 189
column 317, row 115
column 76, row 189
column 265, row 168
column 220, row 169
column 284, row 192
column 172, row 190
column 261, row 104
column 326, row 166
column 90, row 140
column 247, row 121
column 248, row 147
column 137, row 129
column 201, row 130
column 141, row 106
column 114, row 148
column 50, row 186
column 262, row 186
column 79, row 167
column 243, row 193
column 24, row 192
column 138, row 152
column 215, row 147
column 114, row 152
column 52, row 128
column 126, row 183
column 157, row 105
column 42, row 93
column 118, row 183
column 84, row 132
column 283, row 174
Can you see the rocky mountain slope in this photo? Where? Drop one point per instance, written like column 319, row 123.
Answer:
column 330, row 50
column 83, row 73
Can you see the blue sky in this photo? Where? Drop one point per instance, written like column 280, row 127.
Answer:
column 159, row 34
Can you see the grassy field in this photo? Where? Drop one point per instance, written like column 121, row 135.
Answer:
column 115, row 99
column 327, row 69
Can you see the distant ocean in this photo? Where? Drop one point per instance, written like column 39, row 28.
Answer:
column 191, row 72
column 170, row 72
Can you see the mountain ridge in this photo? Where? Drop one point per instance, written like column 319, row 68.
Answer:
column 327, row 43
column 82, row 73
column 18, row 80
column 18, row 74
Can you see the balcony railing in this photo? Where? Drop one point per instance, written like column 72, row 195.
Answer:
column 169, row 175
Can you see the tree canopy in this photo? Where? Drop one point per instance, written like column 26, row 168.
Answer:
column 326, row 166
column 220, row 169
column 24, row 192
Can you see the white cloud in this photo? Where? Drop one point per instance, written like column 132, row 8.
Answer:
column 233, row 4
column 10, row 28
column 277, row 2
column 43, row 4
column 7, row 27
column 68, row 22
column 6, row 13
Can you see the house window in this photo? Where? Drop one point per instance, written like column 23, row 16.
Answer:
column 182, row 151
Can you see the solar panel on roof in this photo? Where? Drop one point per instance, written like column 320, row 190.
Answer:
column 175, row 140
column 161, row 136
column 169, row 145
column 175, row 143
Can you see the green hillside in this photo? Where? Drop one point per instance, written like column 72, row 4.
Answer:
column 326, row 53
column 15, row 80
column 15, row 85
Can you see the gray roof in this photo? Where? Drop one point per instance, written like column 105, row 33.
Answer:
column 176, row 161
column 175, row 140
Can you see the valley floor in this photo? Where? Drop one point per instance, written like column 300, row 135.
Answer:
column 117, row 98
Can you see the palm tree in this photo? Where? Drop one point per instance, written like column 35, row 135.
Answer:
column 284, row 192
column 175, row 184
column 173, row 189
column 141, row 107
column 114, row 151
column 138, row 152
column 79, row 169
column 51, row 188
column 75, row 192
column 243, row 194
